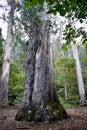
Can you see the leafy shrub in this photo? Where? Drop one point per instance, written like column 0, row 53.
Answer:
column 16, row 83
column 66, row 77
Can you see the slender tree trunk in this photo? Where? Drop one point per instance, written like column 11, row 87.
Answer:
column 79, row 72
column 51, row 55
column 79, row 75
column 7, row 57
column 40, row 101
column 65, row 90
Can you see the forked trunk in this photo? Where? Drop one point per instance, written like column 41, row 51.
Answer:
column 40, row 101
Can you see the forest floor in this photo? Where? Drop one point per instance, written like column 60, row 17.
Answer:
column 77, row 121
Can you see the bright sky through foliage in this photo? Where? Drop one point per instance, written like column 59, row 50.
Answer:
column 3, row 24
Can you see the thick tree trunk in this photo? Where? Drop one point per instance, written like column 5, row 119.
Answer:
column 6, row 59
column 79, row 75
column 40, row 101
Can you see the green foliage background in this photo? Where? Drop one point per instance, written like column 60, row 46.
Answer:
column 16, row 83
column 65, row 71
column 17, row 72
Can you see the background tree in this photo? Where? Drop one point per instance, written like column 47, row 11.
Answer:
column 79, row 75
column 1, row 49
column 7, row 56
column 71, row 35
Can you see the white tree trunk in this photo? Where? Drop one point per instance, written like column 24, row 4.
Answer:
column 79, row 75
column 51, row 57
column 7, row 58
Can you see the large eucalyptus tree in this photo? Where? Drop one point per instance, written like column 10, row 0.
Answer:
column 40, row 100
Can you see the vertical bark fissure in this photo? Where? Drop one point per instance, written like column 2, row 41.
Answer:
column 29, row 79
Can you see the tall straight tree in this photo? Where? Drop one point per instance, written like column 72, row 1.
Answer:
column 40, row 102
column 7, row 56
column 79, row 75
column 78, row 67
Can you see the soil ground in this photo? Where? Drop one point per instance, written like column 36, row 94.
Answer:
column 77, row 121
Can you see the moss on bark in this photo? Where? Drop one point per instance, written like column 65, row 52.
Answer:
column 48, row 111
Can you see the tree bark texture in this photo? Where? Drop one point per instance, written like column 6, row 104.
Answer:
column 40, row 102
column 7, row 58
